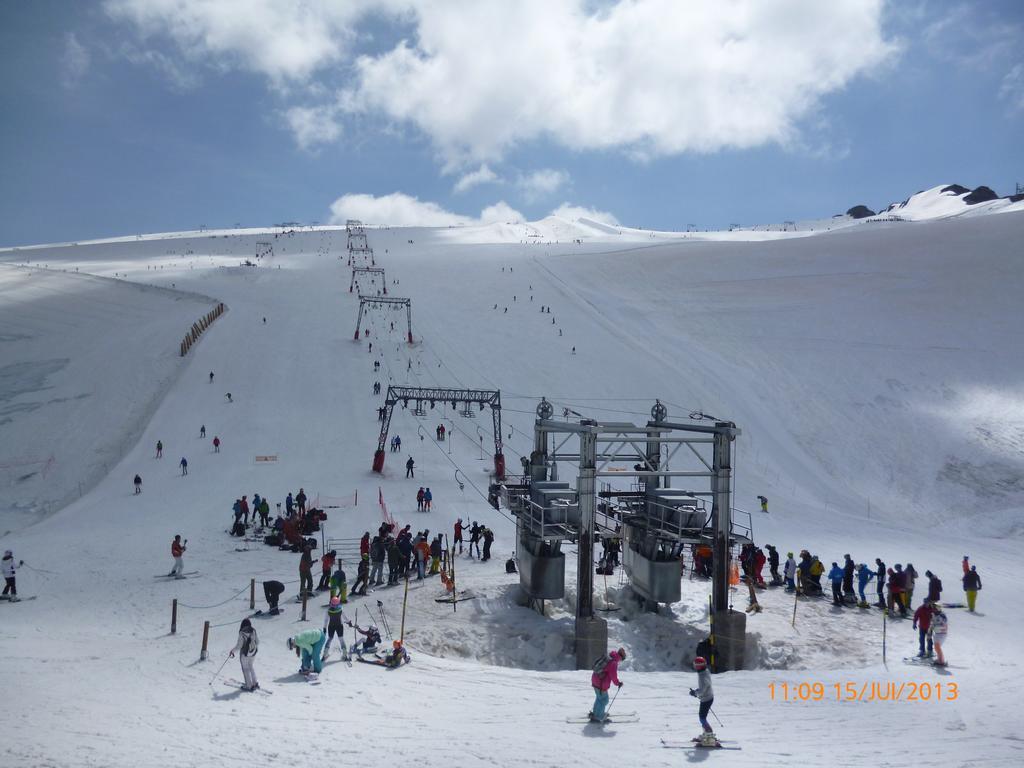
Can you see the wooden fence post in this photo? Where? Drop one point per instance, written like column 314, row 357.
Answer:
column 252, row 594
column 206, row 638
column 174, row 616
column 305, row 595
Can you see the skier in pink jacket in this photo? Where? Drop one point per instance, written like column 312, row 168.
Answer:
column 606, row 672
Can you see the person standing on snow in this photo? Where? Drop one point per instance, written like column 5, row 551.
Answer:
column 789, row 571
column 773, row 564
column 339, row 584
column 326, row 566
column 306, row 571
column 474, row 538
column 864, row 575
column 419, row 499
column 184, row 466
column 288, row 504
column 934, row 587
column 409, row 468
column 972, row 583
column 922, row 623
column 940, row 628
column 216, row 444
column 706, row 696
column 362, row 575
column 138, row 484
column 836, row 577
column 458, row 536
column 378, row 553
column 333, row 626
column 848, row 569
column 10, row 584
column 202, row 431
column 908, row 585
column 606, row 672
column 159, row 449
column 300, row 501
column 310, row 645
column 488, row 535
column 880, row 574
column 178, row 553
column 246, row 647
column 428, row 497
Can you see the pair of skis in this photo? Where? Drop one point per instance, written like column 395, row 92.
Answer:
column 232, row 683
column 620, row 717
column 696, row 743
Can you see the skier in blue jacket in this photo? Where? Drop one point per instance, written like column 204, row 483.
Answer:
column 864, row 575
column 836, row 577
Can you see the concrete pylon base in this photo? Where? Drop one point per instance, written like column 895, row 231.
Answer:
column 730, row 640
column 591, row 641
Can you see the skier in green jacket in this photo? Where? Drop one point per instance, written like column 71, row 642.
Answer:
column 311, row 644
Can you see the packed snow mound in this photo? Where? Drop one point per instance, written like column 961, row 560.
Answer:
column 946, row 201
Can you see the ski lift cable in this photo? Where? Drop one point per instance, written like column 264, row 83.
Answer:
column 474, row 486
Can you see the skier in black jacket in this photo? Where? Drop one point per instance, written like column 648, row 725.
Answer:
column 880, row 582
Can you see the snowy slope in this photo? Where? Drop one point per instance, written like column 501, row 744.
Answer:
column 859, row 365
column 943, row 202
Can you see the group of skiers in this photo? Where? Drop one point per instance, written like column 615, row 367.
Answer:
column 477, row 533
column 183, row 464
column 423, row 499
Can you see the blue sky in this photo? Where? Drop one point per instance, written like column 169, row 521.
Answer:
column 131, row 116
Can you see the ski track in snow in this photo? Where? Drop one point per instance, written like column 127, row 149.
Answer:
column 846, row 428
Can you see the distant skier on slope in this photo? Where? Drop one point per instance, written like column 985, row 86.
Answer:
column 606, row 672
column 184, row 466
column 789, row 571
column 246, row 647
column 880, row 574
column 706, row 696
column 138, row 484
column 159, row 449
column 922, row 623
column 409, row 465
column 848, row 568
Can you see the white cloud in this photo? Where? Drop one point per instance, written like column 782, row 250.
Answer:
column 282, row 40
column 651, row 77
column 542, row 183
column 180, row 77
column 75, row 61
column 1011, row 90
column 573, row 212
column 401, row 210
column 313, row 126
column 482, row 175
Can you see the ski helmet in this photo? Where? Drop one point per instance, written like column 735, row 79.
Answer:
column 335, row 601
column 8, row 553
column 700, row 663
column 622, row 653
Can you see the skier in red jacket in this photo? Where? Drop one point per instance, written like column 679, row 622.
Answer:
column 178, row 548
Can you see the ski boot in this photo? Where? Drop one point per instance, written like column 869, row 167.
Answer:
column 708, row 739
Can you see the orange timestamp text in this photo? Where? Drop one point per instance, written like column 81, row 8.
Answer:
column 872, row 690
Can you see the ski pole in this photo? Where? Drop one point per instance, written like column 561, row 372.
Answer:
column 609, row 707
column 716, row 716
column 217, row 673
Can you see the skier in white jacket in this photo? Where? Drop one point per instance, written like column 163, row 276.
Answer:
column 10, row 588
column 706, row 696
column 246, row 647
